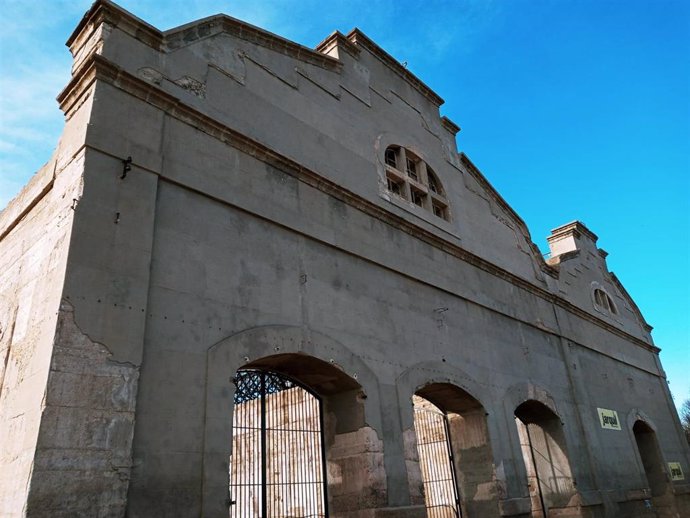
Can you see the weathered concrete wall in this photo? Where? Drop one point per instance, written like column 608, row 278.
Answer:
column 340, row 298
column 35, row 233
column 83, row 456
column 83, row 453
column 255, row 223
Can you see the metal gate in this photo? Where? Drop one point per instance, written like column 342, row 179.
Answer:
column 277, row 468
column 538, row 506
column 436, row 460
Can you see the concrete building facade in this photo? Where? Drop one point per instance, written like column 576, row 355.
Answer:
column 226, row 205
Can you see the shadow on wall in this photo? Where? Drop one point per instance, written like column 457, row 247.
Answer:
column 544, row 452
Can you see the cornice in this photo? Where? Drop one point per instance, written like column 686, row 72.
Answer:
column 106, row 71
column 79, row 85
column 359, row 38
column 23, row 203
column 450, row 125
column 106, row 11
column 574, row 228
column 338, row 39
column 222, row 23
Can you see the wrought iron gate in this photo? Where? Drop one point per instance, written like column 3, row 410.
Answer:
column 538, row 506
column 436, row 460
column 277, row 467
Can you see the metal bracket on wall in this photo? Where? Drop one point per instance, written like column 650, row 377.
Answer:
column 126, row 167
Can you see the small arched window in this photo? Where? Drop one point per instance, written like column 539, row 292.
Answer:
column 603, row 302
column 410, row 178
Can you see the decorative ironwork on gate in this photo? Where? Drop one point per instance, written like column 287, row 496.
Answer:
column 277, row 468
column 436, row 460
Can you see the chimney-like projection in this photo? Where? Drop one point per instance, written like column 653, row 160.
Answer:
column 570, row 237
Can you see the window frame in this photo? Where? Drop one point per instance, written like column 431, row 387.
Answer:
column 417, row 183
column 602, row 301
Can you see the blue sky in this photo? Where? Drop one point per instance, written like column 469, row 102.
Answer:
column 572, row 109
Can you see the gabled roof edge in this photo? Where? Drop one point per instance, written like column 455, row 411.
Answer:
column 551, row 270
column 106, row 10
column 359, row 38
column 617, row 283
column 256, row 35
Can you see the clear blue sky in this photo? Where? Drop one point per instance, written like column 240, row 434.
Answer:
column 572, row 109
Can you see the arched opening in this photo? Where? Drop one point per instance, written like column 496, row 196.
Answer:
column 409, row 177
column 603, row 302
column 544, row 452
column 435, row 460
column 277, row 446
column 454, row 453
column 652, row 462
column 299, row 440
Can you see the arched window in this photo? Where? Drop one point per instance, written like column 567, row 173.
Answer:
column 603, row 302
column 410, row 178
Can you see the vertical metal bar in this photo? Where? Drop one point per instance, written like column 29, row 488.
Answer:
column 303, row 473
column 453, row 473
column 323, row 459
column 264, row 507
column 302, row 477
column 439, row 476
column 536, row 471
column 291, row 489
column 278, row 445
column 287, row 479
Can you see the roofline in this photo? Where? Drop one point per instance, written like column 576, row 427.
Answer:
column 547, row 268
column 256, row 35
column 337, row 38
column 450, row 125
column 104, row 7
column 576, row 227
column 106, row 10
column 633, row 305
column 359, row 38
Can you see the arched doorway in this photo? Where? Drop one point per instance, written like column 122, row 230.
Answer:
column 653, row 465
column 299, row 441
column 454, row 453
column 277, row 468
column 544, row 452
column 436, row 460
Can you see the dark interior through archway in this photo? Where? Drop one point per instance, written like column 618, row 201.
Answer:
column 647, row 444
